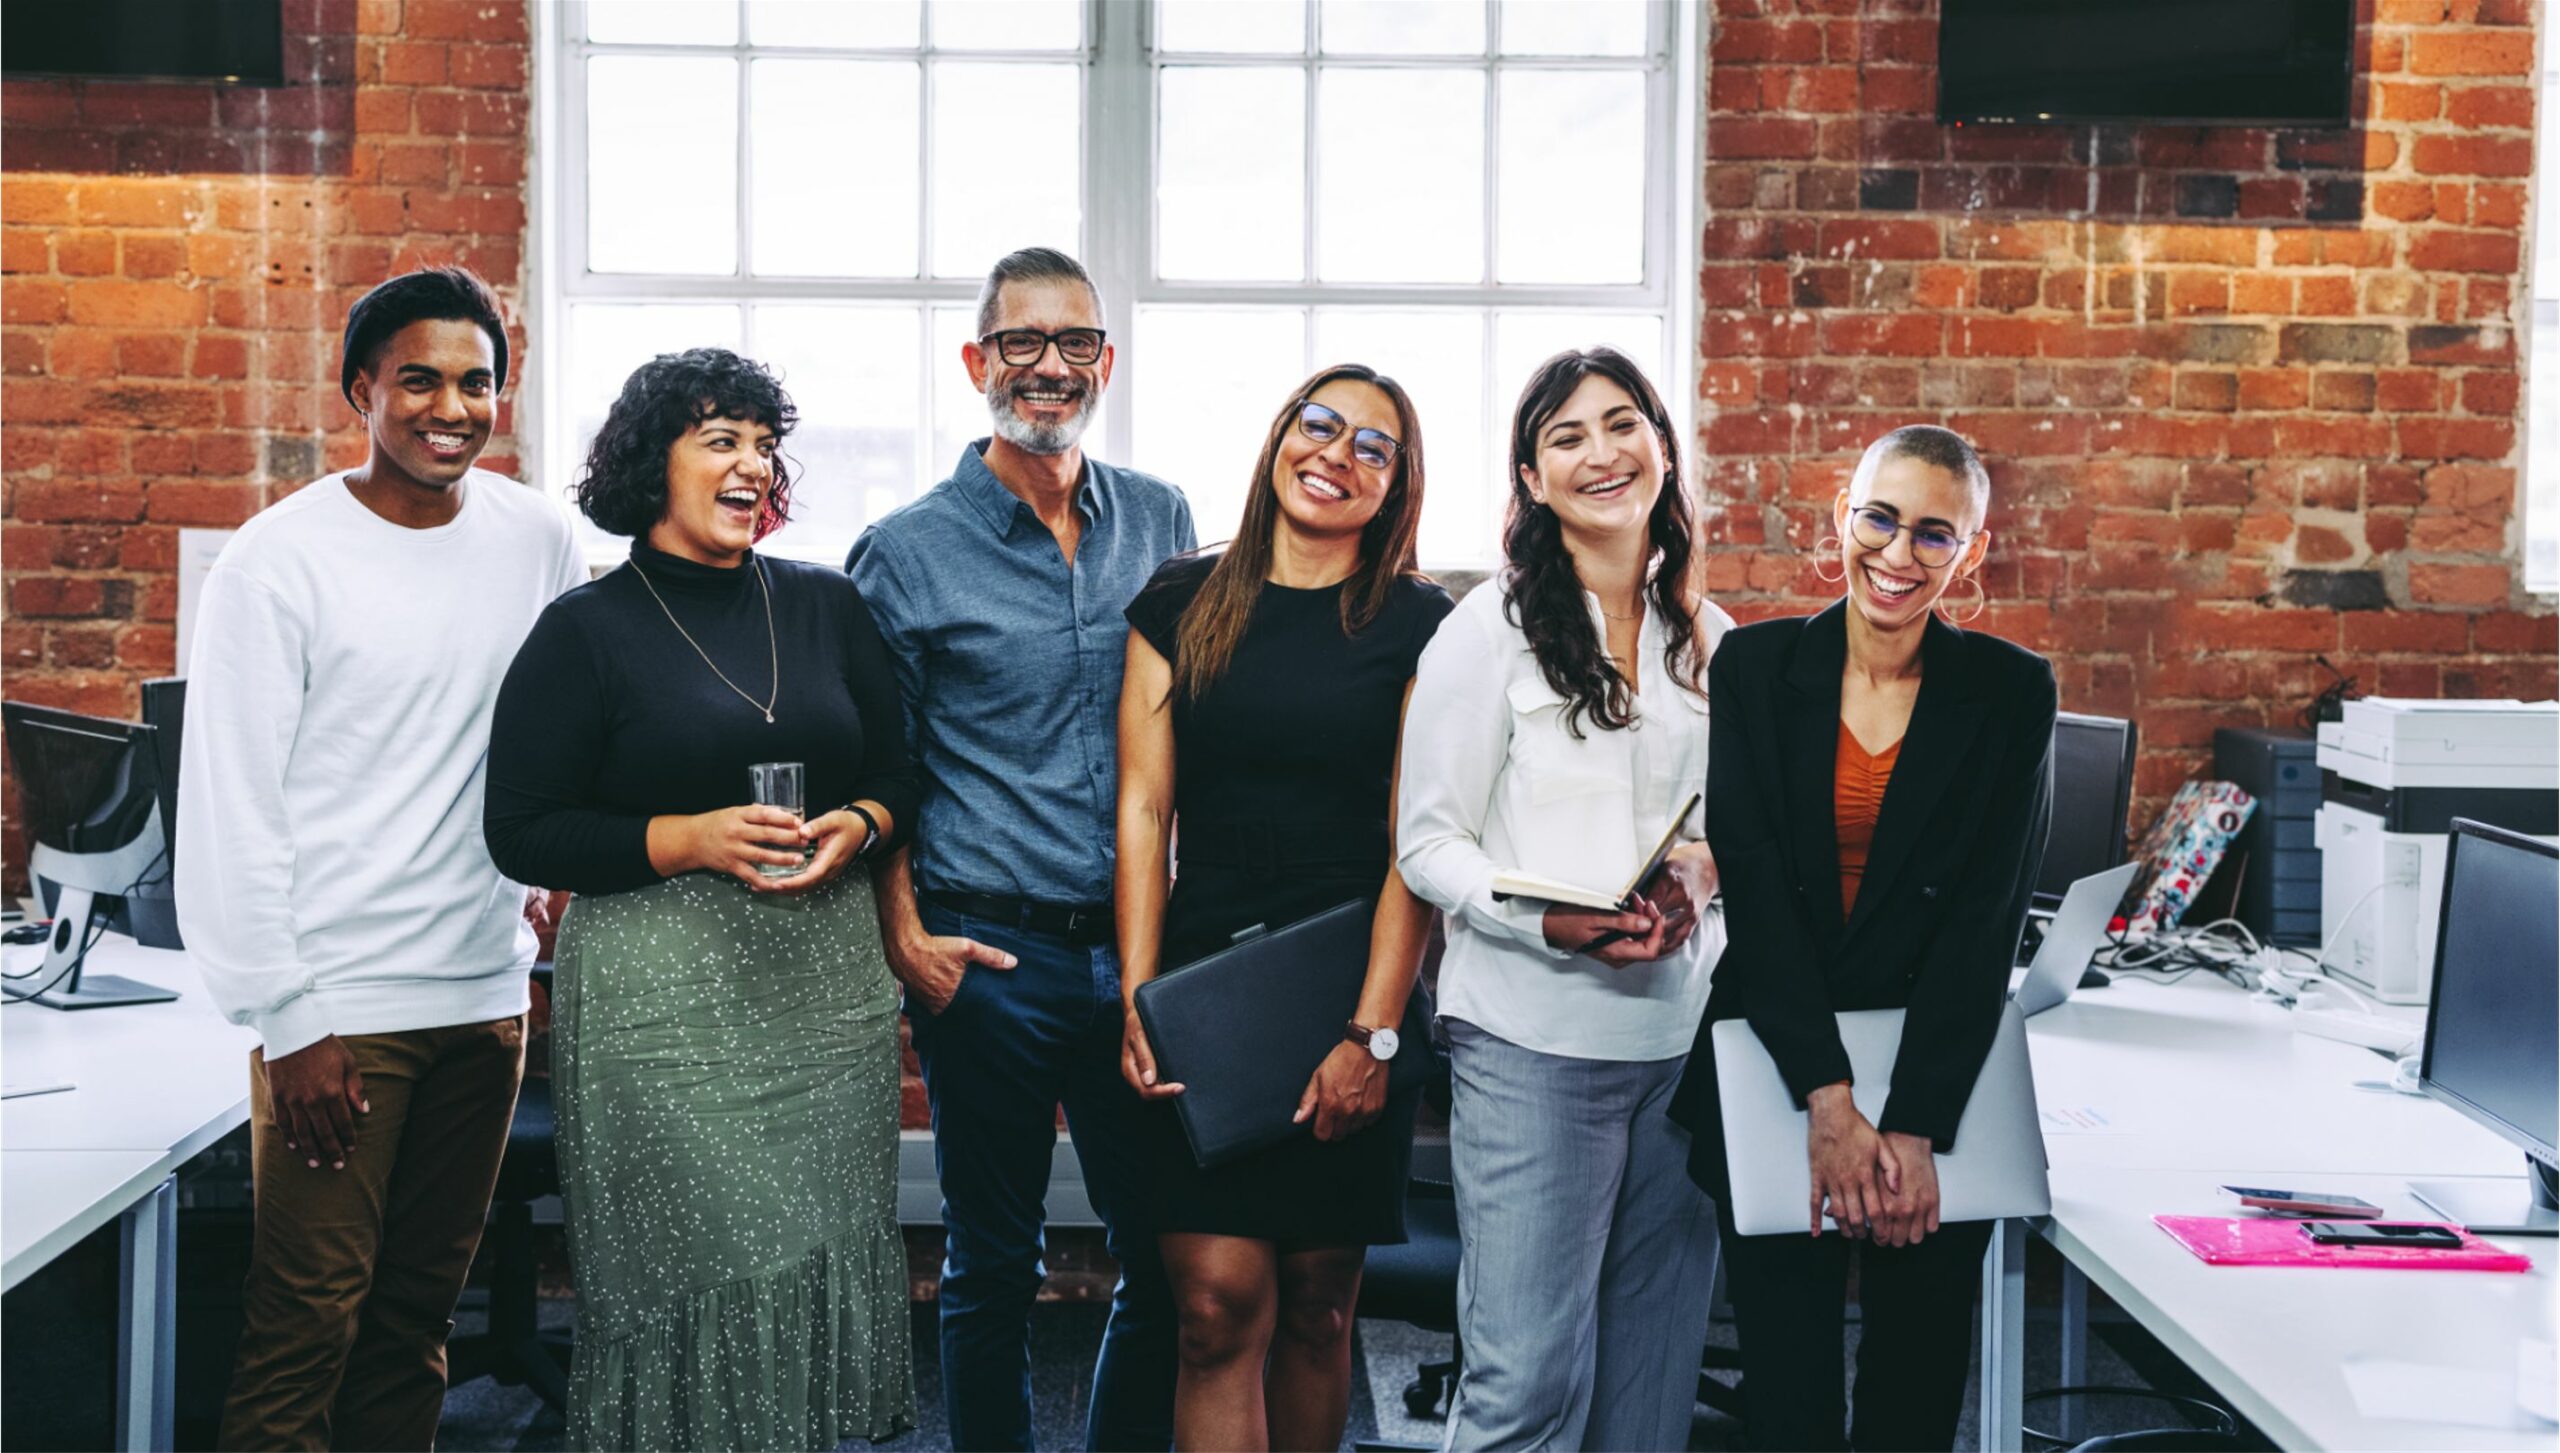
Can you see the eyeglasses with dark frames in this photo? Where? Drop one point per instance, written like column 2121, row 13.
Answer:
column 1022, row 347
column 1371, row 448
column 1933, row 546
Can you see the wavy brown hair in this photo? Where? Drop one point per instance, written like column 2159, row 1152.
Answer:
column 1214, row 623
column 1542, row 593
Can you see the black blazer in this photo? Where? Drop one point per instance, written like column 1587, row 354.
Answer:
column 1938, row 914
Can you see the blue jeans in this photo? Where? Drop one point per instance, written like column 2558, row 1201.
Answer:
column 1011, row 1047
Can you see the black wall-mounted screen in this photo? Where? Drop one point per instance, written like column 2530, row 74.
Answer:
column 182, row 40
column 2284, row 62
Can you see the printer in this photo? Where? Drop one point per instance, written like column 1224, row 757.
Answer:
column 2394, row 773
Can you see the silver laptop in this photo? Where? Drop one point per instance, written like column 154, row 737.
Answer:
column 2079, row 926
column 1996, row 1170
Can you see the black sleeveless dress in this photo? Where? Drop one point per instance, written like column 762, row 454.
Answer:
column 1283, row 774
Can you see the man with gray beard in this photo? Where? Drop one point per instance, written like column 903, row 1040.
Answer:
column 1000, row 595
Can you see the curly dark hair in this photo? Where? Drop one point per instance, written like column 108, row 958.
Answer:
column 1542, row 594
column 624, row 485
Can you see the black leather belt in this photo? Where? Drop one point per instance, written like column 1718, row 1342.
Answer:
column 1272, row 847
column 1082, row 924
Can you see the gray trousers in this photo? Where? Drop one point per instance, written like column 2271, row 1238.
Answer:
column 1588, row 1256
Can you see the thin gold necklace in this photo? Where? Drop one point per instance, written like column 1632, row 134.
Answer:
column 772, row 641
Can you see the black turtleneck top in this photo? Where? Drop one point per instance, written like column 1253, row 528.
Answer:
column 607, row 718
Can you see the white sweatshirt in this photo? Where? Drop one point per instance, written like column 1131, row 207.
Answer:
column 331, row 875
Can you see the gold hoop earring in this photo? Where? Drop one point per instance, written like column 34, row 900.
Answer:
column 1828, row 549
column 1981, row 600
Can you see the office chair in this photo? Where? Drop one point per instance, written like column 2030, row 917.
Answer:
column 515, row 1351
column 2163, row 1440
column 2208, row 1428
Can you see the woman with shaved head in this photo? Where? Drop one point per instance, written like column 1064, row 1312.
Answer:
column 1878, row 786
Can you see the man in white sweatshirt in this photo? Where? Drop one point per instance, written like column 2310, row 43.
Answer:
column 332, row 881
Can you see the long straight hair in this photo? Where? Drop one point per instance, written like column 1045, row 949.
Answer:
column 1214, row 623
column 1542, row 593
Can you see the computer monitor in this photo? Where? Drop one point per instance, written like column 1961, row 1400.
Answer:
column 2092, row 795
column 150, row 913
column 89, row 788
column 2493, row 1021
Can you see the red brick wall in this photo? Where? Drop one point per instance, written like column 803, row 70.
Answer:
column 177, row 264
column 2251, row 396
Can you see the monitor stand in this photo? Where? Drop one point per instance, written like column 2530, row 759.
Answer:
column 2495, row 1205
column 76, row 929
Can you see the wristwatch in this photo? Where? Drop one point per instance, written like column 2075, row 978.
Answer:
column 1380, row 1043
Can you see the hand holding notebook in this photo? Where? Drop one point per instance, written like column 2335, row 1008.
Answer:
column 1512, row 883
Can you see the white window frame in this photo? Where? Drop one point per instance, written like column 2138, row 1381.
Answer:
column 1117, row 194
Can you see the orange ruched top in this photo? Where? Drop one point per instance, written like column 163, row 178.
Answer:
column 1858, row 780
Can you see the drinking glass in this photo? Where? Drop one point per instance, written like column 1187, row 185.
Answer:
column 782, row 784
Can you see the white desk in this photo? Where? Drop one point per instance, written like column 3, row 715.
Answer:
column 2276, row 1341
column 54, row 1198
column 2204, row 1085
column 152, row 1085
column 2200, row 1075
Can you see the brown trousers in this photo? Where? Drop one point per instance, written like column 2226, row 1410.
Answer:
column 354, row 1273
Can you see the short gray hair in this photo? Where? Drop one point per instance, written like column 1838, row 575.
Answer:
column 1943, row 448
column 1031, row 264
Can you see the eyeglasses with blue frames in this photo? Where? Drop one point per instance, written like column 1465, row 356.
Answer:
column 1933, row 546
column 1022, row 347
column 1372, row 449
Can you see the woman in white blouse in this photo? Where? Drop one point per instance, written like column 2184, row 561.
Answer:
column 1558, row 720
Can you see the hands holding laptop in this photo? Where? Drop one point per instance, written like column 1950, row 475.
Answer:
column 1879, row 1187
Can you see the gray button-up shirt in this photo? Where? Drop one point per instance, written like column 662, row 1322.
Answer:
column 1010, row 660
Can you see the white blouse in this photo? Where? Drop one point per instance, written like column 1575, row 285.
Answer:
column 1492, row 780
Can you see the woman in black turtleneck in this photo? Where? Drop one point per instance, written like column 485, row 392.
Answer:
column 725, row 1027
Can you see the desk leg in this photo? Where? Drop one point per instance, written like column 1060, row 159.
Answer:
column 146, row 1344
column 2075, row 1340
column 2004, row 1336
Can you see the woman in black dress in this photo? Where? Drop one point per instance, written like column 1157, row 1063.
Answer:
column 1260, row 710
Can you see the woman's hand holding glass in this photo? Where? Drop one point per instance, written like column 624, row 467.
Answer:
column 746, row 843
column 833, row 839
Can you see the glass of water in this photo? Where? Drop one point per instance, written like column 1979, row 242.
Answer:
column 783, row 785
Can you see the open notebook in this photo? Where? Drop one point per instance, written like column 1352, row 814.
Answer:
column 1512, row 883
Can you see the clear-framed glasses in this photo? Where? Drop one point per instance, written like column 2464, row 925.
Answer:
column 1022, row 347
column 1931, row 545
column 1371, row 448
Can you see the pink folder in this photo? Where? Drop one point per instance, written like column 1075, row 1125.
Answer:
column 2271, row 1241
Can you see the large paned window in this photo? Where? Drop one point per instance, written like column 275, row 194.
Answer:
column 1447, row 190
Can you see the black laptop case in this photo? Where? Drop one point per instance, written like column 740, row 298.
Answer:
column 1243, row 1029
